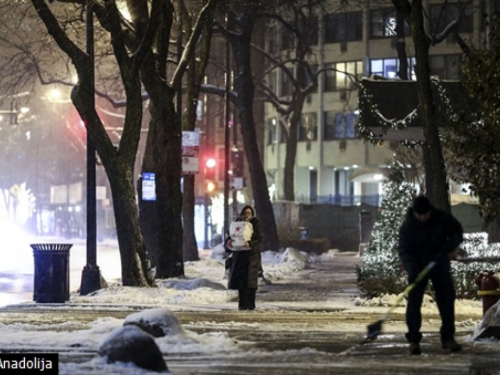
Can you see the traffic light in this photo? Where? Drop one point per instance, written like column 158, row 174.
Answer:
column 210, row 186
column 210, row 175
column 238, row 162
column 210, row 167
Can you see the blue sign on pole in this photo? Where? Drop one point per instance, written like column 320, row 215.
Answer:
column 148, row 187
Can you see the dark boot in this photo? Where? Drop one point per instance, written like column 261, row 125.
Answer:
column 452, row 345
column 415, row 348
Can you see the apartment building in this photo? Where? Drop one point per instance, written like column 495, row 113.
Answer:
column 355, row 39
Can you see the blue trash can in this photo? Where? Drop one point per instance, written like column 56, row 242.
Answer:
column 51, row 281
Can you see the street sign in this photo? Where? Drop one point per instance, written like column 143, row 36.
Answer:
column 148, row 186
column 190, row 151
column 190, row 165
column 237, row 183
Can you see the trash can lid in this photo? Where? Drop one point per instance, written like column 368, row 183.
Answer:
column 51, row 246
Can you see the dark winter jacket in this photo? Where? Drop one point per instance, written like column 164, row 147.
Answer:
column 244, row 270
column 421, row 243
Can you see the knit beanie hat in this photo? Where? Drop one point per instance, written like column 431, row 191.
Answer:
column 421, row 205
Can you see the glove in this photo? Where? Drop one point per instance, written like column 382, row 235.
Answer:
column 440, row 255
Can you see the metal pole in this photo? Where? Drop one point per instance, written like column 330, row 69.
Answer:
column 206, row 245
column 227, row 118
column 91, row 277
column 235, row 147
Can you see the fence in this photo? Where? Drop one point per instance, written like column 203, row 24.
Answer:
column 342, row 200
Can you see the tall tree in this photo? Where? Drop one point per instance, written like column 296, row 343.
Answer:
column 118, row 161
column 242, row 21
column 194, row 79
column 163, row 148
column 299, row 25
column 140, row 48
column 436, row 185
column 473, row 139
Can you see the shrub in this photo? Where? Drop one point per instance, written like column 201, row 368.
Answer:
column 380, row 272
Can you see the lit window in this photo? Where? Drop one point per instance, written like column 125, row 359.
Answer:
column 388, row 68
column 340, row 125
column 272, row 131
column 342, row 76
column 383, row 23
column 308, row 130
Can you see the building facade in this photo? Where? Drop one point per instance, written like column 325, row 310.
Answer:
column 333, row 163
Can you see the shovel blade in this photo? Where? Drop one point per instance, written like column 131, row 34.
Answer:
column 374, row 330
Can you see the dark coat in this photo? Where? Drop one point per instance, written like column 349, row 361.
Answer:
column 244, row 270
column 421, row 243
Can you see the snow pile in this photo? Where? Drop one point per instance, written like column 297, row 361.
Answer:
column 390, row 300
column 203, row 282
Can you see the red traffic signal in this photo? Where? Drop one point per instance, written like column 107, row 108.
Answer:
column 210, row 163
column 210, row 167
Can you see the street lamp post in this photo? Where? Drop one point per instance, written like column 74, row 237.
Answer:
column 227, row 118
column 91, row 275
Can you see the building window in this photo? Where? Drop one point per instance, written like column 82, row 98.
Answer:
column 340, row 125
column 383, row 23
column 272, row 128
column 308, row 130
column 341, row 183
column 271, row 82
column 444, row 13
column 342, row 76
column 446, row 66
column 312, row 31
column 343, row 27
column 309, row 77
column 287, row 38
column 388, row 68
column 286, row 83
column 272, row 40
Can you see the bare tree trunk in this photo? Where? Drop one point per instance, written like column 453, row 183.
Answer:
column 244, row 85
column 163, row 152
column 436, row 185
column 163, row 157
column 401, row 46
column 195, row 76
column 291, row 151
column 133, row 253
column 190, row 247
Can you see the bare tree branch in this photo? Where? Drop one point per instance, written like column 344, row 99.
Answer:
column 204, row 16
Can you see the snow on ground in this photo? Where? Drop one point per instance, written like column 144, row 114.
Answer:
column 203, row 286
column 203, row 282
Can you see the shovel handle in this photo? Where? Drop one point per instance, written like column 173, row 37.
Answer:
column 409, row 288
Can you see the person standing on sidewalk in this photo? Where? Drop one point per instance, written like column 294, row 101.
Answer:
column 245, row 265
column 428, row 234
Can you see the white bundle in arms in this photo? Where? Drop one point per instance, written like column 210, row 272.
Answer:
column 240, row 232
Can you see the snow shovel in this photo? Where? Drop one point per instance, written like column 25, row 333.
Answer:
column 375, row 328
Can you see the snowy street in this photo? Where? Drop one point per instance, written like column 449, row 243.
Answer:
column 308, row 318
